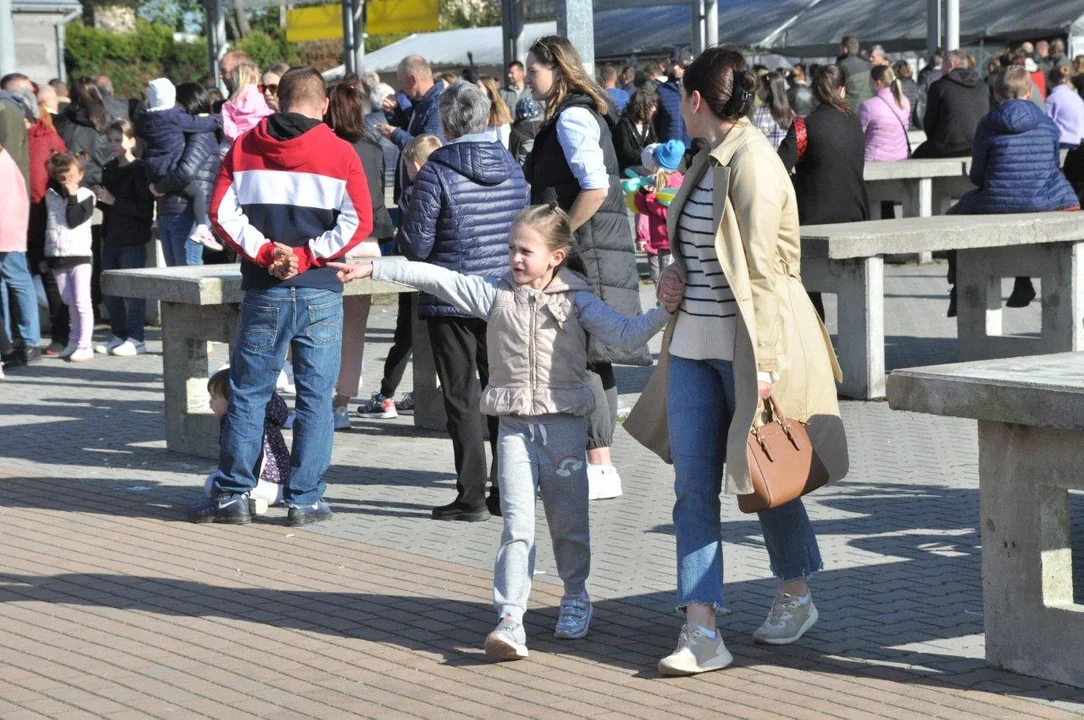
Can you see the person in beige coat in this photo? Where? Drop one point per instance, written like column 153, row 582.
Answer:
column 746, row 330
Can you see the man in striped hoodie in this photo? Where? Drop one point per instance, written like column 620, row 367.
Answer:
column 290, row 196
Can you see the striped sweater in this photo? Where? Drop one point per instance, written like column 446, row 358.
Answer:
column 707, row 319
column 291, row 180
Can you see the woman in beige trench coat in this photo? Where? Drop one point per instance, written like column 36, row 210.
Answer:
column 746, row 330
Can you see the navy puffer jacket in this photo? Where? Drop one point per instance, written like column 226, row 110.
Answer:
column 460, row 211
column 199, row 162
column 1016, row 164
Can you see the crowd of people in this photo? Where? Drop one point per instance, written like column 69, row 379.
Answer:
column 511, row 218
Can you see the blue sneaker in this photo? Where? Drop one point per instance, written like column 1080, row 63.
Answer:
column 310, row 514
column 229, row 509
column 574, row 618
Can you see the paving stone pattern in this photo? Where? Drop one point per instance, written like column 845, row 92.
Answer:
column 112, row 606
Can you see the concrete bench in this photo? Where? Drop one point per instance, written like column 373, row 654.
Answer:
column 1031, row 448
column 198, row 305
column 847, row 259
column 913, row 183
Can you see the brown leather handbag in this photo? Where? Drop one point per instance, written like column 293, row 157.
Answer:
column 782, row 463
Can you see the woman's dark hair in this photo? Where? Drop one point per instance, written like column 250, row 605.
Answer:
column 87, row 96
column 827, row 80
column 640, row 105
column 345, row 112
column 194, row 98
column 775, row 86
column 722, row 78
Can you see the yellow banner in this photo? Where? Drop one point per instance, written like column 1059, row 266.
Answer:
column 314, row 22
column 384, row 17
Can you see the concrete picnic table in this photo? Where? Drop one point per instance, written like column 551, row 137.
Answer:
column 199, row 304
column 1031, row 450
column 847, row 259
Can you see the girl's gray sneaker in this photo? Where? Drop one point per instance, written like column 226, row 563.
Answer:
column 574, row 618
column 508, row 641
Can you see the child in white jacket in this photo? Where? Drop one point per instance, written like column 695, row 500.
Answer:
column 539, row 315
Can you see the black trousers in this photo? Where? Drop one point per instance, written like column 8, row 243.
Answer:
column 402, row 343
column 459, row 352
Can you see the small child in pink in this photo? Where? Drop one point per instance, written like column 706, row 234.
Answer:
column 664, row 160
column 68, row 249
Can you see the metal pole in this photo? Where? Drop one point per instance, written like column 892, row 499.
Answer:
column 359, row 34
column 576, row 21
column 696, row 11
column 348, row 37
column 216, row 39
column 952, row 24
column 933, row 26
column 507, row 22
column 61, row 43
column 516, row 38
column 7, row 39
column 711, row 23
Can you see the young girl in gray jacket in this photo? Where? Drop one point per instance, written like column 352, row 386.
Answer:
column 539, row 315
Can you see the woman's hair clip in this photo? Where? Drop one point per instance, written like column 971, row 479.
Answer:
column 552, row 205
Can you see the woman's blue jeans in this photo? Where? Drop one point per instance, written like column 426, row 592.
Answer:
column 173, row 232
column 699, row 409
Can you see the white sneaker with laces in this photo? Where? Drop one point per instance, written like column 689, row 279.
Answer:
column 129, row 348
column 603, row 482
column 81, row 355
column 109, row 346
column 283, row 384
column 695, row 653
column 342, row 417
column 788, row 619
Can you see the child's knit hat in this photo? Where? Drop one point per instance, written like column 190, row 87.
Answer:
column 161, row 94
column 669, row 154
column 528, row 109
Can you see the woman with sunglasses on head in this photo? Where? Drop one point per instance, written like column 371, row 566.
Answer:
column 269, row 84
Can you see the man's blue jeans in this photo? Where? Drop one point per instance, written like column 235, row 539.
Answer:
column 126, row 315
column 699, row 409
column 310, row 322
column 15, row 274
column 173, row 232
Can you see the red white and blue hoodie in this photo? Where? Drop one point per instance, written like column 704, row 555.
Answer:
column 291, row 180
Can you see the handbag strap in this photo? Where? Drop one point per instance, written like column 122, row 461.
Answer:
column 905, row 135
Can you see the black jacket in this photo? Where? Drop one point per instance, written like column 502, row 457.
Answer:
column 630, row 144
column 119, row 109
column 74, row 126
column 954, row 106
column 127, row 222
column 198, row 163
column 521, row 141
column 828, row 180
column 604, row 243
column 372, row 161
column 911, row 91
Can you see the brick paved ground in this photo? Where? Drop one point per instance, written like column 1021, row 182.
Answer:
column 112, row 606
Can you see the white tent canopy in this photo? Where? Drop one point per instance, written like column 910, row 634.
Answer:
column 448, row 48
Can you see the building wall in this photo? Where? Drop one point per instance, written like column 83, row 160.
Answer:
column 35, row 44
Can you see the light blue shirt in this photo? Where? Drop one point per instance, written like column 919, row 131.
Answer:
column 580, row 138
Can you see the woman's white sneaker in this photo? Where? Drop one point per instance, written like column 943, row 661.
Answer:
column 695, row 653
column 603, row 482
column 82, row 355
column 129, row 348
column 109, row 346
column 788, row 620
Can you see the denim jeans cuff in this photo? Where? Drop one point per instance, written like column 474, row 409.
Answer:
column 804, row 575
column 511, row 611
column 718, row 607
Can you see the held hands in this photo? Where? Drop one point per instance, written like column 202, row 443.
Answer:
column 284, row 265
column 349, row 271
column 671, row 289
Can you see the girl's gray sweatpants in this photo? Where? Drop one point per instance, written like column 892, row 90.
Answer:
column 547, row 454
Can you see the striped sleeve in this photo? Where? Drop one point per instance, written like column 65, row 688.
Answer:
column 230, row 222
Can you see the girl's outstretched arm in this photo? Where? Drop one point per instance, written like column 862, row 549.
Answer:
column 467, row 293
column 610, row 326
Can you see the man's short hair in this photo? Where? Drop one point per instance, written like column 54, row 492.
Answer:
column 10, row 78
column 851, row 43
column 60, row 86
column 609, row 72
column 301, row 85
column 416, row 65
column 515, row 64
column 957, row 58
column 1013, row 83
column 104, row 84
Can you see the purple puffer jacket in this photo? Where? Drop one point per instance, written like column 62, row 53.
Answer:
column 884, row 124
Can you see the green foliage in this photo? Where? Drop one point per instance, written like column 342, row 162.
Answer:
column 375, row 42
column 267, row 49
column 132, row 59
